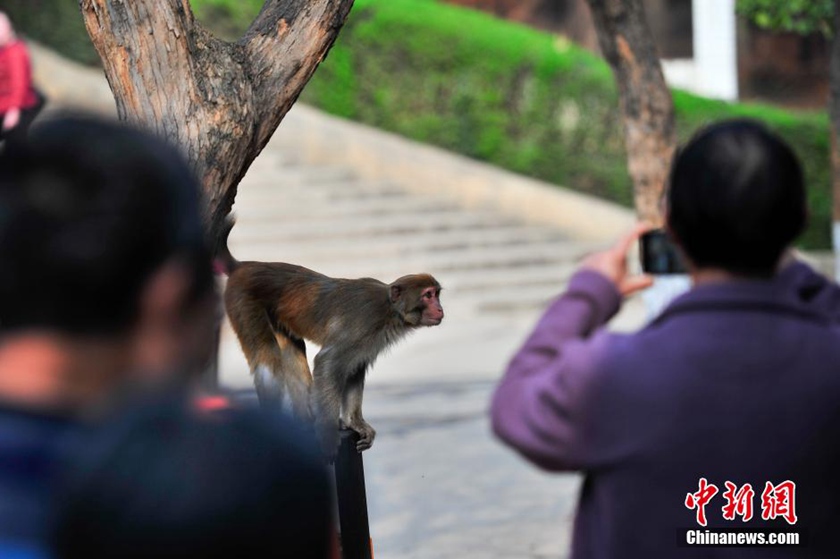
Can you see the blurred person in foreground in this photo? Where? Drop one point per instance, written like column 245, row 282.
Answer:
column 20, row 102
column 724, row 412
column 169, row 481
column 105, row 283
column 107, row 303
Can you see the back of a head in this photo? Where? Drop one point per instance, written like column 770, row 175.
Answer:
column 168, row 482
column 736, row 198
column 88, row 210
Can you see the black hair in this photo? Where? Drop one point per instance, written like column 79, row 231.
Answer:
column 736, row 198
column 89, row 209
column 166, row 481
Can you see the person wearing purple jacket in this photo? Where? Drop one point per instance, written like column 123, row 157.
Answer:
column 719, row 422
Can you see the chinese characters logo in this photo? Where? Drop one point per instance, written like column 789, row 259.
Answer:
column 777, row 501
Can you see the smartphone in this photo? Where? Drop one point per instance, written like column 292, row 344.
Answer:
column 659, row 255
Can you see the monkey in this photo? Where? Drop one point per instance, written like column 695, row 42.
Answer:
column 274, row 307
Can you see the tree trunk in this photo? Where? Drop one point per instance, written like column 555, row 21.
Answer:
column 645, row 100
column 834, row 112
column 219, row 101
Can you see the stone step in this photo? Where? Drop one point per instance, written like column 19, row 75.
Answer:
column 400, row 243
column 270, row 161
column 525, row 305
column 488, row 257
column 309, row 198
column 461, row 303
column 551, row 275
column 453, row 221
column 274, row 172
column 309, row 209
column 301, row 186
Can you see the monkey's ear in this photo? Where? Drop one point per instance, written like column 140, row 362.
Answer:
column 395, row 291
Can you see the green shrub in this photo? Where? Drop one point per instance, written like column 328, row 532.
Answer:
column 518, row 98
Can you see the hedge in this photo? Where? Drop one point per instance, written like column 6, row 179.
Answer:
column 500, row 92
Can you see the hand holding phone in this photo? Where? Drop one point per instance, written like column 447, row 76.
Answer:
column 612, row 263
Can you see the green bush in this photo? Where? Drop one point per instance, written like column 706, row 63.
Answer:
column 493, row 90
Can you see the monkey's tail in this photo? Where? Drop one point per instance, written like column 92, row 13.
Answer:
column 224, row 262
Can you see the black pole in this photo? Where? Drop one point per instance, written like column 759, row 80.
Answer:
column 352, row 499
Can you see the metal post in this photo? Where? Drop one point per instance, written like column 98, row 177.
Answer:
column 352, row 499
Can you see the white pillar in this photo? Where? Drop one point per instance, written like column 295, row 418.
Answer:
column 715, row 48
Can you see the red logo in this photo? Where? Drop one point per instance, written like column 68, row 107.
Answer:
column 700, row 499
column 739, row 502
column 777, row 501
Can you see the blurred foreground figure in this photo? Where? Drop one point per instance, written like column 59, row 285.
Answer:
column 20, row 102
column 105, row 283
column 722, row 414
column 172, row 482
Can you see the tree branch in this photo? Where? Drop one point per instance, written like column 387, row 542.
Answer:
column 220, row 102
column 278, row 66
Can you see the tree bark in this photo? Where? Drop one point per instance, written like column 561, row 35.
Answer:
column 219, row 101
column 834, row 112
column 645, row 100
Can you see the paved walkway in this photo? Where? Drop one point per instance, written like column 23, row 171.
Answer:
column 439, row 486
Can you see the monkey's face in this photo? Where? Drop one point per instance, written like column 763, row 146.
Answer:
column 431, row 313
column 417, row 299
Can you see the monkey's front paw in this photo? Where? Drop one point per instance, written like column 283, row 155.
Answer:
column 366, row 435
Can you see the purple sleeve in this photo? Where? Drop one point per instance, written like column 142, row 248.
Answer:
column 540, row 408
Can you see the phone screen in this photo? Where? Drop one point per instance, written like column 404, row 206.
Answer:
column 659, row 255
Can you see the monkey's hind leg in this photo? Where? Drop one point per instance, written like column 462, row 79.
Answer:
column 295, row 373
column 282, row 378
column 273, row 359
